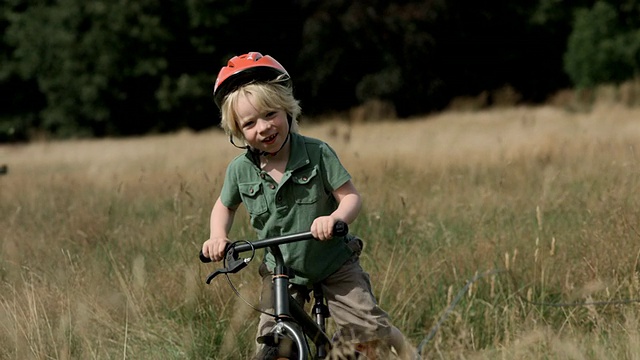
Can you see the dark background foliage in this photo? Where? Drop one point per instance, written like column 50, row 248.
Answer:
column 77, row 68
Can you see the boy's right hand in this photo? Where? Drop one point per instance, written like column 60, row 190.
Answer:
column 214, row 248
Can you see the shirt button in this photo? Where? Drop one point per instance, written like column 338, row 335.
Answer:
column 304, row 178
column 262, row 175
column 251, row 191
column 279, row 198
column 271, row 186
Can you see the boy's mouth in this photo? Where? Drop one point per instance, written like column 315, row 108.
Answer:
column 270, row 139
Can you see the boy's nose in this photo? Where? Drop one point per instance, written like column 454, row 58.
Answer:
column 264, row 125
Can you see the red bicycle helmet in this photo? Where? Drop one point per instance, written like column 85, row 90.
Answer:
column 243, row 69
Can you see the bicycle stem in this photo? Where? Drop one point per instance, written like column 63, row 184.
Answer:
column 281, row 276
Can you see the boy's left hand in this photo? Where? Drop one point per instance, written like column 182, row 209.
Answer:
column 322, row 227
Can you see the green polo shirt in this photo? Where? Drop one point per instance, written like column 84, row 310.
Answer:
column 313, row 172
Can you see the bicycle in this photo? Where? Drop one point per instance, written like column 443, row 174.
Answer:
column 294, row 328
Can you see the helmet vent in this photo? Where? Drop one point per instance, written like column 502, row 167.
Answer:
column 255, row 56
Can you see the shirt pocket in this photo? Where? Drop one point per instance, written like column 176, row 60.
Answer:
column 308, row 186
column 253, row 198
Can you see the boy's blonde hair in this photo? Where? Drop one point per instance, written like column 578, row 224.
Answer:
column 267, row 96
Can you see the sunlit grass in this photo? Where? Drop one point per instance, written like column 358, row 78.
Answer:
column 100, row 238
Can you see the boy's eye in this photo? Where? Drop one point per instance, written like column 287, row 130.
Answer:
column 270, row 114
column 248, row 124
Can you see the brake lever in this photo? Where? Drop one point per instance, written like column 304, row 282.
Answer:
column 233, row 264
column 233, row 267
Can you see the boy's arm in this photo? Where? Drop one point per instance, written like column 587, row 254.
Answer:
column 220, row 225
column 349, row 204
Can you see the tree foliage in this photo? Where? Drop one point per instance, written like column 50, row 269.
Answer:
column 604, row 45
column 104, row 68
column 97, row 64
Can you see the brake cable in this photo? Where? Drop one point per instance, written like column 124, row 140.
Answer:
column 246, row 261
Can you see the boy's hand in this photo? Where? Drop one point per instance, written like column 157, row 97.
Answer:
column 214, row 248
column 322, row 227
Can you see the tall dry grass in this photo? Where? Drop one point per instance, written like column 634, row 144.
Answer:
column 99, row 238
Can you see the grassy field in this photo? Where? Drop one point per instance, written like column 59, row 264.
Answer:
column 100, row 239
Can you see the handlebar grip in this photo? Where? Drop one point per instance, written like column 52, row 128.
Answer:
column 203, row 258
column 340, row 228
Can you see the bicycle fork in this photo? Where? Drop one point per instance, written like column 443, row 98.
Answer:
column 320, row 312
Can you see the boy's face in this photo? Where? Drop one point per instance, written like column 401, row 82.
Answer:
column 263, row 129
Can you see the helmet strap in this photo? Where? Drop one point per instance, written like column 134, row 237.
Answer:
column 247, row 147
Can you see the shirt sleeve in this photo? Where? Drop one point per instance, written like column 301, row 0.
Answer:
column 230, row 193
column 334, row 174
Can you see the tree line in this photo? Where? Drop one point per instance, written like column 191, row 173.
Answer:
column 77, row 68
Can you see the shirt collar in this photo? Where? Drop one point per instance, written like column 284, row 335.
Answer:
column 298, row 156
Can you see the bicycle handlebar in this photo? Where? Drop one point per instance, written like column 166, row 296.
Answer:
column 340, row 228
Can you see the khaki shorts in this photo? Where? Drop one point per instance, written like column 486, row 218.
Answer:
column 350, row 299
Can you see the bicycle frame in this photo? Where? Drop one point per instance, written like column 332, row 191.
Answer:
column 289, row 314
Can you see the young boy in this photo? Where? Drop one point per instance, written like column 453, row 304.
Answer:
column 290, row 183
